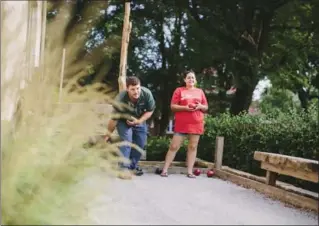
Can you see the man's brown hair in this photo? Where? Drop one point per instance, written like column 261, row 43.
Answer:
column 132, row 81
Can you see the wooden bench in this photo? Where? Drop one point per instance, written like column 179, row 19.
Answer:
column 275, row 164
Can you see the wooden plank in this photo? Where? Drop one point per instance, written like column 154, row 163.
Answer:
column 199, row 163
column 219, row 149
column 161, row 163
column 279, row 184
column 293, row 172
column 172, row 170
column 288, row 161
column 205, row 164
column 271, row 191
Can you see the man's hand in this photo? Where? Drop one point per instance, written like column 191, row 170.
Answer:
column 133, row 121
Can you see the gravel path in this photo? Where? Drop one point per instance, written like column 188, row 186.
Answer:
column 150, row 200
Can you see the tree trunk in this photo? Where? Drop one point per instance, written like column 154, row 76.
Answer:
column 243, row 96
column 242, row 99
column 169, row 83
column 303, row 96
column 165, row 112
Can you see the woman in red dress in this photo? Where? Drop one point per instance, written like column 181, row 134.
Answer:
column 189, row 105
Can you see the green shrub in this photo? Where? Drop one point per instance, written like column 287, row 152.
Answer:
column 158, row 146
column 293, row 133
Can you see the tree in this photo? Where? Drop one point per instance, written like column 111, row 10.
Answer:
column 244, row 28
column 278, row 100
column 294, row 52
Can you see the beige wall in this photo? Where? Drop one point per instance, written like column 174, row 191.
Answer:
column 21, row 23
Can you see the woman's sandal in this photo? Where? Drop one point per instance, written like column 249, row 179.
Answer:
column 190, row 175
column 164, row 174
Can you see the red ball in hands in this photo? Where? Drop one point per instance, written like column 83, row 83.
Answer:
column 192, row 105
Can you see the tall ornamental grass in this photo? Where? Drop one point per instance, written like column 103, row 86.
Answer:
column 45, row 165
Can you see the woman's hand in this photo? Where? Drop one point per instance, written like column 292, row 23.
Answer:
column 200, row 107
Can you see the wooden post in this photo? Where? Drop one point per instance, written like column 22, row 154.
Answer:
column 35, row 36
column 29, row 40
column 271, row 178
column 219, row 149
column 38, row 33
column 125, row 41
column 62, row 75
column 43, row 34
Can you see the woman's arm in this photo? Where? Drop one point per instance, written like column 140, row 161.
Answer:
column 177, row 107
column 203, row 105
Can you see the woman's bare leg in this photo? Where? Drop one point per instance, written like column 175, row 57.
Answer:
column 192, row 152
column 173, row 148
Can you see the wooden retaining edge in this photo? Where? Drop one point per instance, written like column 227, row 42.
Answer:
column 279, row 184
column 172, row 170
column 280, row 192
column 199, row 163
column 204, row 164
column 286, row 197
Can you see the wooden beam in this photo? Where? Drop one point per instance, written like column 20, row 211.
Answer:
column 171, row 170
column 202, row 163
column 279, row 184
column 198, row 163
column 292, row 161
column 297, row 173
column 301, row 168
column 287, row 197
column 127, row 26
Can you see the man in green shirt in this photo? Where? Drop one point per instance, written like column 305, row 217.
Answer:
column 140, row 106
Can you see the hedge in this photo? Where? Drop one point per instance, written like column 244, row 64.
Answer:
column 293, row 133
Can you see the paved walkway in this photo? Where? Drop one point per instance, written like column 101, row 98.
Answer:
column 151, row 199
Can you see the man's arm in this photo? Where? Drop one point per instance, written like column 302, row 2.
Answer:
column 112, row 122
column 149, row 110
column 145, row 116
column 111, row 125
column 110, row 128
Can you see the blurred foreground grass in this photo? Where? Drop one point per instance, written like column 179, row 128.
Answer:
column 44, row 164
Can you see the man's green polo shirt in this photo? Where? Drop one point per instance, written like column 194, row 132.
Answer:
column 145, row 103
